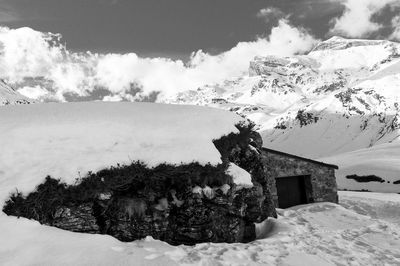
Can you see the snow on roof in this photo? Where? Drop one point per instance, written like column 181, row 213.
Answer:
column 70, row 139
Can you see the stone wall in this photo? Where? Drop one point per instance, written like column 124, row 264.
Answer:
column 322, row 176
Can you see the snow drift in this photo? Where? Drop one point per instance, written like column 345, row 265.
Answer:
column 66, row 140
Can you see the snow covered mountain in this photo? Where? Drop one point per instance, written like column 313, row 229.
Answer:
column 341, row 97
column 8, row 96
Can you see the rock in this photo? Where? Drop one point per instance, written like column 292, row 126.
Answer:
column 184, row 204
column 208, row 192
column 225, row 188
column 76, row 219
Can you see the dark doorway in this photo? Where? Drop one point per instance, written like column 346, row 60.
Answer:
column 291, row 191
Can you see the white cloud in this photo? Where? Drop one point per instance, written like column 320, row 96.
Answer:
column 396, row 28
column 270, row 13
column 25, row 52
column 356, row 19
column 33, row 92
column 28, row 53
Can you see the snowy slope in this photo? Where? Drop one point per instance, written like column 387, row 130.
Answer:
column 8, row 96
column 342, row 96
column 381, row 160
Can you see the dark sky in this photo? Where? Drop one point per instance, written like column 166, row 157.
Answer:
column 171, row 28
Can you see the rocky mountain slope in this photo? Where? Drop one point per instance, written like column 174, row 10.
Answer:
column 341, row 97
column 8, row 96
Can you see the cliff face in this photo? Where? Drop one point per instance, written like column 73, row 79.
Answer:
column 184, row 204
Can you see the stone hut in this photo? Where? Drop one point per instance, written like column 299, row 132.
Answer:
column 294, row 180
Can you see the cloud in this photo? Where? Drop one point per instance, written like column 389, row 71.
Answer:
column 42, row 67
column 357, row 19
column 396, row 28
column 271, row 14
column 34, row 92
column 108, row 2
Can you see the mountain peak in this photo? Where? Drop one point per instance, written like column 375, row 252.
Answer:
column 9, row 96
column 341, row 43
column 336, row 38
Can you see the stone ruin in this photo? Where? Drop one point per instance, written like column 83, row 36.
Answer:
column 184, row 204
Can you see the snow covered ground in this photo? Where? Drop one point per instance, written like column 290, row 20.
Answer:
column 384, row 206
column 365, row 230
column 380, row 160
column 317, row 234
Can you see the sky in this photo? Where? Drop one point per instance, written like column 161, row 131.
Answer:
column 172, row 28
column 166, row 45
